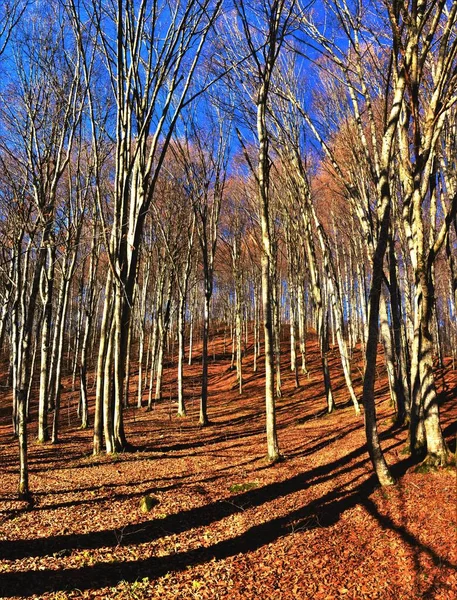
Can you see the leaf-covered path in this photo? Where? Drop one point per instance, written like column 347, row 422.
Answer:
column 223, row 522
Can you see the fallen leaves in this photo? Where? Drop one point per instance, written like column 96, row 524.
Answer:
column 220, row 522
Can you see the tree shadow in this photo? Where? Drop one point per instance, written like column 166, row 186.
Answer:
column 179, row 522
column 451, row 432
column 416, row 547
column 322, row 512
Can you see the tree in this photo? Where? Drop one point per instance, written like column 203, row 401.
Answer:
column 429, row 98
column 350, row 68
column 11, row 12
column 409, row 29
column 150, row 69
column 262, row 33
column 204, row 159
column 49, row 98
column 234, row 232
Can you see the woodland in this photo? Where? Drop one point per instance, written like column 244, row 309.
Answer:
column 228, row 299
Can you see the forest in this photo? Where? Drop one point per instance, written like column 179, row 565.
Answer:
column 228, row 299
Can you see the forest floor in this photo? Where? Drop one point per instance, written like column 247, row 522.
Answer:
column 224, row 523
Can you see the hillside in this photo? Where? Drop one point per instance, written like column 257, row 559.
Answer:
column 223, row 523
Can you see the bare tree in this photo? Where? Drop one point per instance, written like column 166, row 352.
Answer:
column 233, row 234
column 11, row 12
column 150, row 67
column 204, row 158
column 431, row 93
column 49, row 99
column 349, row 65
column 261, row 33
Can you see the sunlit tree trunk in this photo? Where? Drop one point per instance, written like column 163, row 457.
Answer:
column 141, row 330
column 6, row 301
column 320, row 309
column 55, row 383
column 275, row 301
column 267, row 257
column 163, row 327
column 47, row 295
column 203, row 419
column 89, row 315
column 100, row 374
column 400, row 344
column 182, row 303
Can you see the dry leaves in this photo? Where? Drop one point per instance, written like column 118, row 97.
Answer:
column 224, row 523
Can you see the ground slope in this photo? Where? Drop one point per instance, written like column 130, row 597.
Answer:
column 223, row 522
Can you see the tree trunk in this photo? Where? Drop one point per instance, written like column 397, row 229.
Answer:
column 371, row 430
column 323, row 344
column 266, row 260
column 387, row 342
column 191, row 327
column 256, row 327
column 181, row 354
column 302, row 327
column 7, row 301
column 108, row 392
column 425, row 429
column 203, row 420
column 89, row 315
column 24, row 368
column 321, row 313
column 126, row 401
column 276, row 325
column 337, row 312
column 43, row 400
column 102, row 356
column 139, row 401
column 403, row 393
column 163, row 327
column 56, row 392
column 238, row 316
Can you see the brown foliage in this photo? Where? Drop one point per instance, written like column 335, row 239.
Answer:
column 225, row 524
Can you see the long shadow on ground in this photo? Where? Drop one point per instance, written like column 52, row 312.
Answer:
column 179, row 522
column 321, row 512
